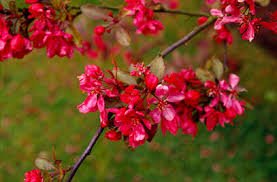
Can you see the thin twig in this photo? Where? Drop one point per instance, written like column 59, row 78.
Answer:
column 85, row 154
column 176, row 12
column 109, row 8
column 186, row 38
column 180, row 12
column 225, row 58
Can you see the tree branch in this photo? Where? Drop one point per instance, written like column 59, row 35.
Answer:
column 180, row 12
column 85, row 154
column 162, row 10
column 225, row 58
column 186, row 38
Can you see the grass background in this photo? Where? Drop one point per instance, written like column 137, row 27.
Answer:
column 38, row 99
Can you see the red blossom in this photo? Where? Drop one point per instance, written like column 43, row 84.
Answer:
column 187, row 125
column 179, row 101
column 151, row 81
column 201, row 20
column 143, row 17
column 213, row 117
column 139, row 69
column 131, row 96
column 31, row 1
column 47, row 32
column 99, row 30
column 132, row 124
column 20, row 46
column 223, row 35
column 33, row 176
column 91, row 82
column 113, row 135
column 272, row 24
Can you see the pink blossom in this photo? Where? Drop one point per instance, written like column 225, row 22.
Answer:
column 47, row 32
column 149, row 27
column 236, row 12
column 224, row 18
column 247, row 29
column 186, row 123
column 139, row 69
column 91, row 82
column 143, row 17
column 164, row 113
column 229, row 99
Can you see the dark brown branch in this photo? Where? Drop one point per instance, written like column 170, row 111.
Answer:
column 180, row 12
column 186, row 38
column 85, row 154
column 176, row 12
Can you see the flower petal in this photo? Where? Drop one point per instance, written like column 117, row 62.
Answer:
column 168, row 112
column 156, row 115
column 234, row 80
column 161, row 90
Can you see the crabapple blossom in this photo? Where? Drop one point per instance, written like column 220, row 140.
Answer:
column 272, row 24
column 233, row 12
column 133, row 105
column 143, row 17
column 178, row 101
column 33, row 176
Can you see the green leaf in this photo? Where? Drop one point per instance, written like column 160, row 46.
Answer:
column 44, row 164
column 122, row 36
column 204, row 75
column 216, row 67
column 263, row 3
column 157, row 67
column 5, row 3
column 124, row 77
column 94, row 12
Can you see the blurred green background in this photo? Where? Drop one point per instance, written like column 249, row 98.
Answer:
column 38, row 99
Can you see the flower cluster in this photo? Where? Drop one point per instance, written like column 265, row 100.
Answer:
column 133, row 105
column 272, row 24
column 143, row 17
column 241, row 12
column 46, row 31
column 12, row 46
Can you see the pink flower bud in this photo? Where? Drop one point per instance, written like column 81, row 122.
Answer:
column 151, row 81
column 99, row 30
column 201, row 20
